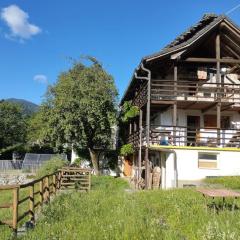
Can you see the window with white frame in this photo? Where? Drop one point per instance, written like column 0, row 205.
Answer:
column 207, row 160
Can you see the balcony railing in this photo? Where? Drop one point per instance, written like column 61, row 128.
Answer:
column 194, row 91
column 185, row 136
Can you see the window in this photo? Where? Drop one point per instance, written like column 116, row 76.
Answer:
column 207, row 160
column 210, row 121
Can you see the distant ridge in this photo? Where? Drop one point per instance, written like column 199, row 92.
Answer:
column 28, row 107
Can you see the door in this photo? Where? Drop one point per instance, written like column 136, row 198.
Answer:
column 127, row 167
column 193, row 127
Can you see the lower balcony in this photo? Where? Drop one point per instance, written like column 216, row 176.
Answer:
column 184, row 136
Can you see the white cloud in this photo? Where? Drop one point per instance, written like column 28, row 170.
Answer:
column 40, row 78
column 17, row 21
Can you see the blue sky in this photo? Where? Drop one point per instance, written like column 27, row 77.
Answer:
column 37, row 37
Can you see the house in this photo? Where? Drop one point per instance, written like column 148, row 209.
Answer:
column 188, row 96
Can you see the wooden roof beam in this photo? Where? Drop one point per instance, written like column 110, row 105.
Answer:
column 229, row 49
column 190, row 105
column 211, row 60
column 226, row 107
column 230, row 42
column 209, row 107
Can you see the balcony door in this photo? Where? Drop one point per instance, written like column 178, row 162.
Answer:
column 193, row 125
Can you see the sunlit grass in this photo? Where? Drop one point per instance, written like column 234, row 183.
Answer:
column 232, row 182
column 110, row 212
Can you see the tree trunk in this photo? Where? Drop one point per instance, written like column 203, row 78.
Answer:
column 94, row 159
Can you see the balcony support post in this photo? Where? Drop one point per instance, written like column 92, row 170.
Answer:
column 218, row 78
column 218, row 123
column 148, row 110
column 130, row 128
column 175, row 104
column 140, row 148
column 146, row 158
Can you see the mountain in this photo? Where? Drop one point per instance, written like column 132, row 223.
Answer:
column 28, row 107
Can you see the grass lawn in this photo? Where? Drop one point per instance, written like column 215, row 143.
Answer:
column 111, row 212
column 227, row 182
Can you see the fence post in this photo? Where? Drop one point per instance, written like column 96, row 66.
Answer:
column 15, row 209
column 54, row 183
column 48, row 190
column 89, row 181
column 31, row 203
column 59, row 180
column 41, row 191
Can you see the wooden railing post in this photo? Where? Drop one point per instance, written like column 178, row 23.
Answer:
column 31, row 203
column 48, row 190
column 89, row 181
column 41, row 192
column 54, row 183
column 59, row 179
column 15, row 209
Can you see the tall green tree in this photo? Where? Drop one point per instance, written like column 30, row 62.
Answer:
column 81, row 109
column 12, row 124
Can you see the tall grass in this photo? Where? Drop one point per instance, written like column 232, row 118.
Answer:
column 228, row 182
column 111, row 212
column 6, row 196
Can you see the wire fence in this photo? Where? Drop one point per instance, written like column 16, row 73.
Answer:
column 31, row 162
column 6, row 165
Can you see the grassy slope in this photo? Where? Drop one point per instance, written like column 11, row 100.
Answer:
column 228, row 182
column 109, row 212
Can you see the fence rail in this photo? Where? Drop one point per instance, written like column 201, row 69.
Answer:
column 38, row 192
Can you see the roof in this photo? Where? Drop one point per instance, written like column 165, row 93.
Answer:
column 190, row 35
column 184, row 40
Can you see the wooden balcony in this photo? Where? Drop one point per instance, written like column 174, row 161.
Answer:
column 185, row 136
column 195, row 91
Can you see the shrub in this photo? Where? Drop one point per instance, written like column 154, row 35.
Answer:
column 129, row 111
column 127, row 149
column 78, row 161
column 50, row 166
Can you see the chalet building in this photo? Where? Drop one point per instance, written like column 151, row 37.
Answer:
column 189, row 100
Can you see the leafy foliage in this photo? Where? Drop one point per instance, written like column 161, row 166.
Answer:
column 50, row 166
column 12, row 124
column 79, row 110
column 39, row 128
column 129, row 111
column 127, row 149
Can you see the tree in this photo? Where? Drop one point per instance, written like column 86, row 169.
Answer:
column 81, row 109
column 12, row 124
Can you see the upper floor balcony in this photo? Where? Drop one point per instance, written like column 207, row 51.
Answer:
column 195, row 91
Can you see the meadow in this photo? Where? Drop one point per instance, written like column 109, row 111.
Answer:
column 113, row 211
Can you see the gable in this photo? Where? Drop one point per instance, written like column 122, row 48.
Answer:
column 203, row 34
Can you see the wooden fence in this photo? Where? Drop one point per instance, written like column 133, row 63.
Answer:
column 38, row 192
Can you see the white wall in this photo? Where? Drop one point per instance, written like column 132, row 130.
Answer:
column 187, row 166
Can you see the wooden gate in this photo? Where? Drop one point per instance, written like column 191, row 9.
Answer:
column 75, row 178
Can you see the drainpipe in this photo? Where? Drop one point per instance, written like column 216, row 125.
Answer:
column 148, row 78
